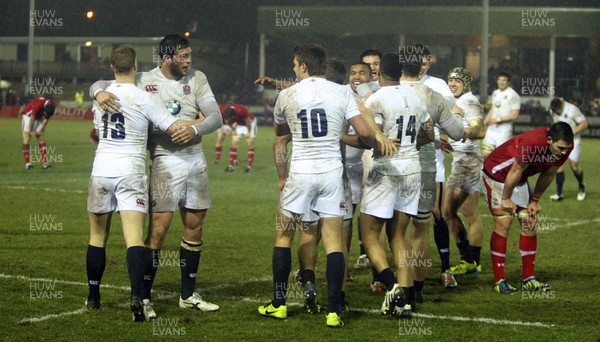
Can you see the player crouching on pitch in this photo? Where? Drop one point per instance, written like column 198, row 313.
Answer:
column 505, row 173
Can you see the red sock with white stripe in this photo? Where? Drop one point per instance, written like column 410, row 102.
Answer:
column 218, row 150
column 26, row 153
column 232, row 156
column 498, row 248
column 44, row 153
column 528, row 246
column 250, row 156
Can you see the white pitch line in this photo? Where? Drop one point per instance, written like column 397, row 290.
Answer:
column 67, row 282
column 50, row 316
column 13, row 187
column 449, row 318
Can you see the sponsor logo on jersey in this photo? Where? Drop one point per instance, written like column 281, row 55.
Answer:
column 152, row 88
column 187, row 89
column 140, row 202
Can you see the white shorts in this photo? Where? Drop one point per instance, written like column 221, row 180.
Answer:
column 240, row 130
column 466, row 173
column 179, row 181
column 108, row 194
column 385, row 194
column 496, row 137
column 492, row 191
column 355, row 174
column 440, row 174
column 576, row 153
column 26, row 120
column 427, row 194
column 322, row 193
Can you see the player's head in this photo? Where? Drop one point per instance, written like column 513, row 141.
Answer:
column 560, row 139
column 229, row 115
column 309, row 60
column 336, row 71
column 122, row 60
column 175, row 54
column 49, row 108
column 411, row 60
column 373, row 58
column 556, row 106
column 423, row 50
column 390, row 68
column 459, row 81
column 360, row 72
column 503, row 80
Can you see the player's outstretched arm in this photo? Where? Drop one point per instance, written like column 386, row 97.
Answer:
column 212, row 121
column 271, row 82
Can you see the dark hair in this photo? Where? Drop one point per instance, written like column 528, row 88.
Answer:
column 556, row 104
column 229, row 113
column 49, row 107
column 504, row 74
column 336, row 71
column 390, row 67
column 411, row 59
column 370, row 52
column 123, row 59
column 423, row 50
column 170, row 44
column 561, row 131
column 313, row 56
column 361, row 63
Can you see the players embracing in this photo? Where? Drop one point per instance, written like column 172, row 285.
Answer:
column 179, row 178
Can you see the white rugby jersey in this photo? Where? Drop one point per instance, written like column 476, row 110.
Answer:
column 503, row 102
column 353, row 154
column 315, row 110
column 401, row 113
column 123, row 136
column 440, row 86
column 571, row 115
column 472, row 110
column 438, row 111
column 181, row 97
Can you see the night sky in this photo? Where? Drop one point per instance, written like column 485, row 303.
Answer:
column 228, row 20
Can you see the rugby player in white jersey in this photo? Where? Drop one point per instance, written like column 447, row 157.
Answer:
column 440, row 227
column 392, row 188
column 313, row 112
column 563, row 111
column 179, row 178
column 506, row 104
column 118, row 181
column 411, row 59
column 464, row 183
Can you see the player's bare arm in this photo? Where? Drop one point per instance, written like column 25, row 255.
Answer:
column 271, row 82
column 488, row 118
column 512, row 116
column 476, row 130
column 543, row 182
column 512, row 180
column 582, row 126
column 426, row 133
column 280, row 155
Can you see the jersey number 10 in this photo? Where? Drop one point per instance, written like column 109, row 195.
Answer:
column 117, row 133
column 318, row 122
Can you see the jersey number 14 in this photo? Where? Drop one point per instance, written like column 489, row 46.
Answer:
column 411, row 128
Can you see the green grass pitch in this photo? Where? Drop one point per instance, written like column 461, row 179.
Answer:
column 44, row 234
